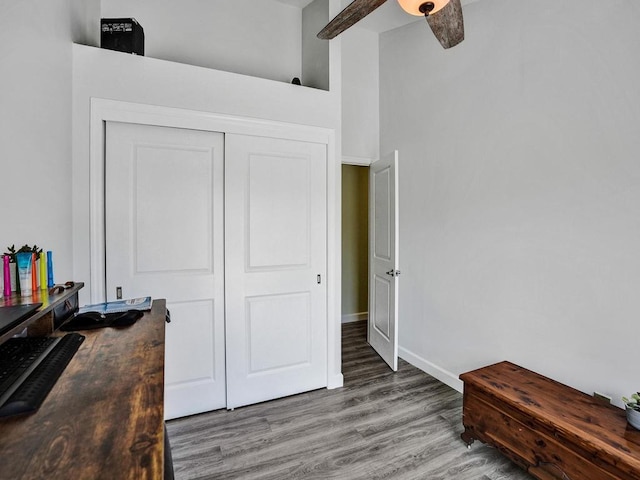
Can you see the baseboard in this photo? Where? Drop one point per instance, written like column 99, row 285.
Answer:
column 435, row 371
column 355, row 317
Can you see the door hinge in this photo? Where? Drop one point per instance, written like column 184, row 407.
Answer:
column 319, row 278
column 118, row 293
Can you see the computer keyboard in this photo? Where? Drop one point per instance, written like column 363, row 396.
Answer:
column 30, row 367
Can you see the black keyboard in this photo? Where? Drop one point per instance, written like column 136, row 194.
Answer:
column 30, row 367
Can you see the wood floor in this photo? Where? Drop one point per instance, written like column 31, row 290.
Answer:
column 380, row 425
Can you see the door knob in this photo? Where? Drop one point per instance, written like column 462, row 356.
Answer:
column 394, row 273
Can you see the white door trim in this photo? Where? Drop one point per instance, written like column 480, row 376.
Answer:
column 103, row 110
column 357, row 161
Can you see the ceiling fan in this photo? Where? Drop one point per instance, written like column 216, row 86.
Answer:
column 443, row 16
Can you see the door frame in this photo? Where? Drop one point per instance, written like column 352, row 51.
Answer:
column 360, row 162
column 104, row 110
column 367, row 162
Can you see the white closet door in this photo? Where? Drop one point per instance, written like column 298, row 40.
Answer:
column 276, row 293
column 164, row 238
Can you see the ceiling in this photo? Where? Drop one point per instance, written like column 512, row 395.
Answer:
column 386, row 17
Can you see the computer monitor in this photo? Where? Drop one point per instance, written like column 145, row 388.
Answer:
column 13, row 315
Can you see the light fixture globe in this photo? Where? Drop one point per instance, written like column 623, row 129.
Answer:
column 421, row 7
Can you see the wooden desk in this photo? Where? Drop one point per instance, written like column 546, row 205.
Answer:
column 550, row 429
column 104, row 417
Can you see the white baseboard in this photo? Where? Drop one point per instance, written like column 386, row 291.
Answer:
column 435, row 371
column 355, row 317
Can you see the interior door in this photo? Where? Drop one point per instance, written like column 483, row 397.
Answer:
column 384, row 258
column 164, row 238
column 276, row 286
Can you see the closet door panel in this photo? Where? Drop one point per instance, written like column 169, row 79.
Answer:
column 275, row 244
column 164, row 237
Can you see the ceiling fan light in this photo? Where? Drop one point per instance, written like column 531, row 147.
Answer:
column 413, row 6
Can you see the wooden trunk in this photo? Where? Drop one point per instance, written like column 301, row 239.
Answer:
column 550, row 429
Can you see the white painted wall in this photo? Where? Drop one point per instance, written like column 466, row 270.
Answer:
column 261, row 38
column 360, row 94
column 519, row 190
column 315, row 52
column 35, row 125
column 85, row 22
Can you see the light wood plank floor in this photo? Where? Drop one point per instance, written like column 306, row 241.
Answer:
column 380, row 425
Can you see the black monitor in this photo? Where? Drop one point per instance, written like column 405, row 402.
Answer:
column 12, row 315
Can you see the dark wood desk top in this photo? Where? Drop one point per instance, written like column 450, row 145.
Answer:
column 104, row 417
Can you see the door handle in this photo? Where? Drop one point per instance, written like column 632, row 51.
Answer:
column 394, row 273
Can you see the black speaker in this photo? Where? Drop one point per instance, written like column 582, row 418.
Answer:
column 123, row 35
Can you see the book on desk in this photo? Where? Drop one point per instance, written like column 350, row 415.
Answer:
column 118, row 306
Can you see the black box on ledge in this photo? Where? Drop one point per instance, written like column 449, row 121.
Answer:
column 122, row 34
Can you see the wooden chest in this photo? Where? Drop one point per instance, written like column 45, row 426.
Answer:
column 550, row 429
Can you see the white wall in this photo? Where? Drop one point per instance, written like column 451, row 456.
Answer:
column 519, row 190
column 85, row 22
column 360, row 94
column 35, row 125
column 261, row 38
column 315, row 52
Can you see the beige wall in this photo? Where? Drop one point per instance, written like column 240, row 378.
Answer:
column 355, row 241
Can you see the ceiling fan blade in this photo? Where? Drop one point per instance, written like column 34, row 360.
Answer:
column 353, row 13
column 447, row 24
